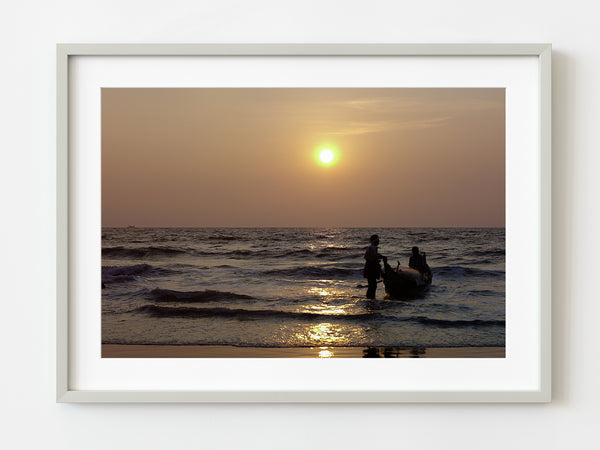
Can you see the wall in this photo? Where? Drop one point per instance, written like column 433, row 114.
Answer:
column 31, row 418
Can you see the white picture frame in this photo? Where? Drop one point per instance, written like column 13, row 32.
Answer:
column 539, row 387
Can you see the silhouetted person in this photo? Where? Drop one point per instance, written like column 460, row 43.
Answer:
column 371, row 352
column 417, row 261
column 372, row 270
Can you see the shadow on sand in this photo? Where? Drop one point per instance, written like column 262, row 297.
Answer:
column 393, row 352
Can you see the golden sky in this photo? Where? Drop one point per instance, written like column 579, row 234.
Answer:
column 247, row 157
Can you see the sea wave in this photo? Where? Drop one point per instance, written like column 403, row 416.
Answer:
column 458, row 323
column 225, row 238
column 141, row 252
column 154, row 251
column 167, row 295
column 118, row 274
column 244, row 314
column 326, row 252
column 315, row 272
column 488, row 253
column 158, row 311
column 483, row 293
column 462, row 271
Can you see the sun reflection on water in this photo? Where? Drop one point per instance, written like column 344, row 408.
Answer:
column 325, row 332
column 325, row 353
column 326, row 336
column 320, row 291
column 324, row 292
column 325, row 309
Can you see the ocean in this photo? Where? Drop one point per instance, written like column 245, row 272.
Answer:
column 298, row 287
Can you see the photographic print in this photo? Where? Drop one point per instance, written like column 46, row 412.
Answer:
column 303, row 222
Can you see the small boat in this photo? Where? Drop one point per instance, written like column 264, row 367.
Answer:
column 404, row 282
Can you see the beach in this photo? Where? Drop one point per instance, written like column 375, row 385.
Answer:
column 227, row 351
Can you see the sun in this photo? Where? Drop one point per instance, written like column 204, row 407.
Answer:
column 326, row 156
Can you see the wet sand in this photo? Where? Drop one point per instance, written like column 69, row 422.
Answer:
column 217, row 351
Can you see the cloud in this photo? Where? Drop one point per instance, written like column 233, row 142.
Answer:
column 356, row 128
column 378, row 115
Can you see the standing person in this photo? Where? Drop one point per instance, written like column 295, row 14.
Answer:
column 372, row 270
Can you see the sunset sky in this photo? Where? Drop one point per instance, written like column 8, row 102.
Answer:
column 249, row 157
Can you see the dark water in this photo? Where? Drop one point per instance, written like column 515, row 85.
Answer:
column 296, row 287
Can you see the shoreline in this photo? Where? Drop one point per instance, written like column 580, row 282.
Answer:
column 225, row 351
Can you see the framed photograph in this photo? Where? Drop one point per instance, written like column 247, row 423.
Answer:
column 303, row 223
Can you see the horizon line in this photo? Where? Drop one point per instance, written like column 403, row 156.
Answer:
column 303, row 226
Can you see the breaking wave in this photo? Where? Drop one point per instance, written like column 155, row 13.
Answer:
column 458, row 323
column 167, row 295
column 243, row 314
column 247, row 314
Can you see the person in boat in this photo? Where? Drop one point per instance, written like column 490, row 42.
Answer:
column 372, row 270
column 417, row 260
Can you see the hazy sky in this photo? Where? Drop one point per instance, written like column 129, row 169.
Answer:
column 247, row 157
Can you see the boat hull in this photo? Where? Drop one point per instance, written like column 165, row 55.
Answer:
column 406, row 283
